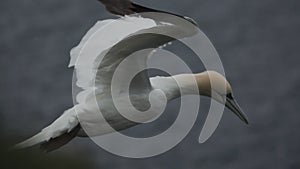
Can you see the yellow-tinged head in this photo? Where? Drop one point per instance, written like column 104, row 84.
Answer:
column 215, row 85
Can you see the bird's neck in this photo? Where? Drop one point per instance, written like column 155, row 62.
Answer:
column 178, row 85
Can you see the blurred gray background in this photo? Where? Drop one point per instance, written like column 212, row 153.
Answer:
column 258, row 42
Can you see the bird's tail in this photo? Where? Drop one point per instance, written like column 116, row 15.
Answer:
column 60, row 141
column 60, row 132
column 36, row 139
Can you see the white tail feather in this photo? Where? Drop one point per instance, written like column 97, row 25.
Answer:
column 64, row 124
column 37, row 139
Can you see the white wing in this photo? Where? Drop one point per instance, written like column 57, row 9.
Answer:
column 101, row 37
column 113, row 41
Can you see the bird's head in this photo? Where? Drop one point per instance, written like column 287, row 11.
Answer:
column 215, row 85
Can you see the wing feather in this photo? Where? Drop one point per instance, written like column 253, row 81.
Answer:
column 126, row 7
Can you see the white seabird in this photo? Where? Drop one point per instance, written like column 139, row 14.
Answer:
column 68, row 126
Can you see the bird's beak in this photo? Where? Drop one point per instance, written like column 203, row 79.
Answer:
column 235, row 108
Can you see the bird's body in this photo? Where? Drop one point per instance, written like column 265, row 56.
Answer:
column 120, row 38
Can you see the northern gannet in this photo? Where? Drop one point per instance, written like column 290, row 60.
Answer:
column 68, row 126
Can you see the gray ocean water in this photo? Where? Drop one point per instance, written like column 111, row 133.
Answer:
column 258, row 42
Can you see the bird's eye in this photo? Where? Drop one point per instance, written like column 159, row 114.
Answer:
column 229, row 96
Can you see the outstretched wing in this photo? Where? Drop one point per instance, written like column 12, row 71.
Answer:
column 115, row 40
column 100, row 39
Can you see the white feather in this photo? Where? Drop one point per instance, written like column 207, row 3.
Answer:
column 64, row 124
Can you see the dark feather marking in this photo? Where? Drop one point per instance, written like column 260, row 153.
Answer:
column 126, row 7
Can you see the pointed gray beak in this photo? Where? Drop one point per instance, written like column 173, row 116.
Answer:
column 232, row 105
